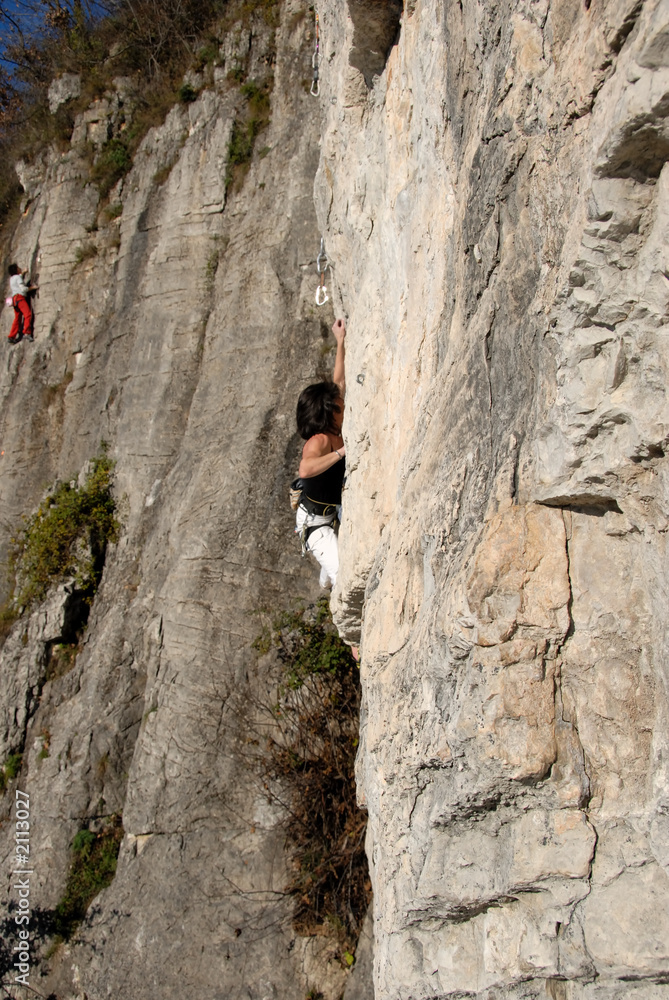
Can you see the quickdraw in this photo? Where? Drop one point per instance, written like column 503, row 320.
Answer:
column 315, row 84
column 322, row 264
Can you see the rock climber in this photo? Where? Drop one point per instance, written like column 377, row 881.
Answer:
column 22, row 327
column 320, row 412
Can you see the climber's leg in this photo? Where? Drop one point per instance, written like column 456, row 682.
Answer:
column 27, row 314
column 324, row 545
column 17, row 323
column 23, row 318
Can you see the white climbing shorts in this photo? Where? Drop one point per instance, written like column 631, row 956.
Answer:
column 322, row 543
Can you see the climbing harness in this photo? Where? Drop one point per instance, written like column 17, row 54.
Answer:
column 298, row 498
column 322, row 264
column 315, row 84
column 315, row 508
column 318, row 507
column 309, row 529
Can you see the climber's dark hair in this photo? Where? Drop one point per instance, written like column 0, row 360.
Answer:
column 14, row 269
column 316, row 408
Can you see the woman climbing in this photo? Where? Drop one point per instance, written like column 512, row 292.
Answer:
column 320, row 412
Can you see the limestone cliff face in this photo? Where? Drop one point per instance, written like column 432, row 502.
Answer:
column 182, row 338
column 493, row 192
column 492, row 189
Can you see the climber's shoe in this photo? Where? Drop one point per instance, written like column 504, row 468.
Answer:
column 29, row 337
column 14, row 340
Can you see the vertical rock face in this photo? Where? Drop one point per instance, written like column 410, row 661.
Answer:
column 180, row 328
column 495, row 201
column 494, row 196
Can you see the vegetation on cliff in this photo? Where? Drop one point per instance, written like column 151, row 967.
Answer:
column 93, row 861
column 92, row 867
column 307, row 756
column 245, row 130
column 66, row 537
column 9, row 770
column 147, row 42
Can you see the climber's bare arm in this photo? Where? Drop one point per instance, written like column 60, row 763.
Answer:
column 338, row 377
column 320, row 454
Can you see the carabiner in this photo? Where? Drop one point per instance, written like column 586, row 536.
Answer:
column 317, row 85
column 320, row 301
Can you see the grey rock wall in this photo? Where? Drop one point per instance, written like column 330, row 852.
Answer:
column 492, row 188
column 181, row 333
column 494, row 199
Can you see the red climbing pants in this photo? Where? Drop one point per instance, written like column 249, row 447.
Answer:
column 23, row 317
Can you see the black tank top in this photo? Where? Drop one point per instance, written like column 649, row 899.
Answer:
column 326, row 487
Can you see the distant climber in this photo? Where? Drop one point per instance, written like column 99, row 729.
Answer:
column 22, row 327
column 320, row 412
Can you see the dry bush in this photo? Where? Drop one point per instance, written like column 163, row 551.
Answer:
column 307, row 744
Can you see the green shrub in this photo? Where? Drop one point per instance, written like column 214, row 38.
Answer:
column 13, row 765
column 258, row 99
column 187, row 94
column 92, row 869
column 113, row 162
column 83, row 841
column 240, row 151
column 308, row 643
column 245, row 129
column 10, row 770
column 207, row 55
column 8, row 615
column 67, row 536
column 211, row 269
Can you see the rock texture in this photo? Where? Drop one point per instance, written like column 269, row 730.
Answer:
column 181, row 332
column 495, row 200
column 493, row 191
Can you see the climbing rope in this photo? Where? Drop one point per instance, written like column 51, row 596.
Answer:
column 315, row 85
column 322, row 264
